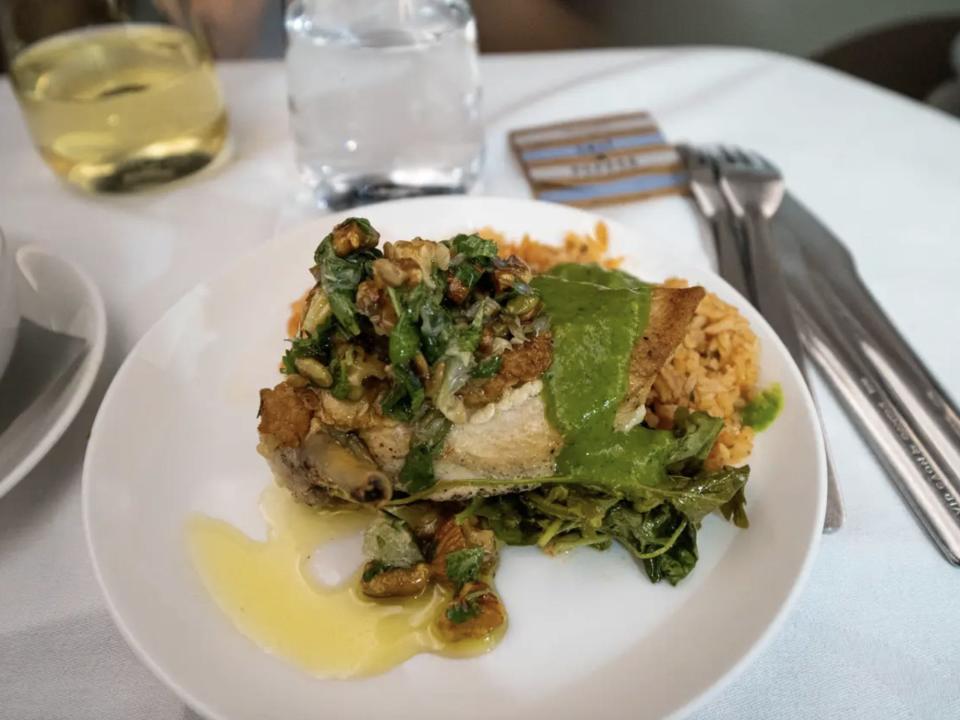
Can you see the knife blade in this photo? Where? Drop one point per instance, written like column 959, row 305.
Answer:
column 882, row 343
column 839, row 319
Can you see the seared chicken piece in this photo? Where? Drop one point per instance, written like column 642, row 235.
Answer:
column 516, row 441
column 508, row 439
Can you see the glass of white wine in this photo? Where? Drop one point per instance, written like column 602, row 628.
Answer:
column 114, row 105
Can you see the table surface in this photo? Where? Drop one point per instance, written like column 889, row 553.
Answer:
column 869, row 636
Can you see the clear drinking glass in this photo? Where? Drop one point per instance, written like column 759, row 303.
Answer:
column 114, row 105
column 384, row 97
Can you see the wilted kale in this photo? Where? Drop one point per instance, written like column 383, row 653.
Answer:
column 458, row 361
column 507, row 516
column 429, row 432
column 472, row 247
column 471, row 257
column 339, row 276
column 314, row 346
column 663, row 540
column 657, row 522
column 406, row 396
column 427, row 323
column 735, row 510
column 488, row 367
column 436, row 329
column 695, row 433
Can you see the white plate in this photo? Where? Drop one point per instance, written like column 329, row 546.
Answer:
column 55, row 294
column 589, row 636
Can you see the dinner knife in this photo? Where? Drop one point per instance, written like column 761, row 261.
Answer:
column 910, row 437
column 881, row 342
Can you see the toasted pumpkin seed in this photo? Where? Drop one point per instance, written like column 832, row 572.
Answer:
column 318, row 313
column 525, row 306
column 314, row 370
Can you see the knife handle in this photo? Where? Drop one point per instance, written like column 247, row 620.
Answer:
column 916, row 469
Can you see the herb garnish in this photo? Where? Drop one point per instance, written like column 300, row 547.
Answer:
column 464, row 566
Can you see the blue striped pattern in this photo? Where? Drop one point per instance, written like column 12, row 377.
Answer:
column 592, row 148
column 635, row 184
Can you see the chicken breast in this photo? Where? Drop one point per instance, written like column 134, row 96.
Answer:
column 507, row 439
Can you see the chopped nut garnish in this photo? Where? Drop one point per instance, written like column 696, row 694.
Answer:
column 373, row 301
column 353, row 234
column 474, row 613
column 395, row 582
column 456, row 290
column 509, row 272
column 315, row 371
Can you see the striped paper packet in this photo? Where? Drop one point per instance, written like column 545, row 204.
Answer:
column 599, row 161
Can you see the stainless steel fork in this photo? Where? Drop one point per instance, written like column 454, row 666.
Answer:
column 754, row 189
column 705, row 186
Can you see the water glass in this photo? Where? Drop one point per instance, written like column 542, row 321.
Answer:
column 384, row 97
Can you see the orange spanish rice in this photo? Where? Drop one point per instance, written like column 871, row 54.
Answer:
column 577, row 248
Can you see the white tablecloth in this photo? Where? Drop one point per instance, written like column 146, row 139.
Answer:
column 870, row 636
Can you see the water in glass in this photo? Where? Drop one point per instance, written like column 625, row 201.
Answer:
column 384, row 97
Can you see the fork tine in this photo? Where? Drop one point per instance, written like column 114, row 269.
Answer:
column 754, row 160
column 730, row 153
column 764, row 164
column 704, row 158
column 711, row 156
column 717, row 156
column 689, row 153
column 742, row 156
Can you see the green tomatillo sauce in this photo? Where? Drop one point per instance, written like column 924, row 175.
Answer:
column 764, row 408
column 596, row 317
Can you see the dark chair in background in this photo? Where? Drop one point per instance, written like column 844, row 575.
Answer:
column 911, row 58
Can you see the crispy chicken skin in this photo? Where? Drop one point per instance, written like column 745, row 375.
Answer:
column 671, row 310
column 285, row 415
